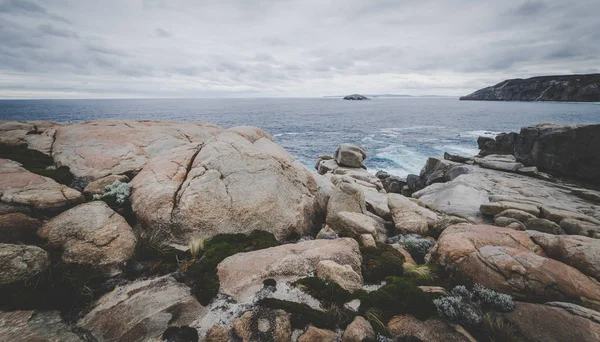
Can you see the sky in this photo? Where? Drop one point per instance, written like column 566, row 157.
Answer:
column 288, row 48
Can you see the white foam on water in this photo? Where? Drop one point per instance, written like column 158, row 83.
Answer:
column 408, row 161
column 464, row 151
column 481, row 133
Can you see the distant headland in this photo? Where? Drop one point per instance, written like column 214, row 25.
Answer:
column 568, row 88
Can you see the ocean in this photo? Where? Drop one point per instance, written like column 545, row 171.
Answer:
column 399, row 134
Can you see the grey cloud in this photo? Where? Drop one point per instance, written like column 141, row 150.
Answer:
column 530, row 7
column 162, row 33
column 29, row 8
column 292, row 48
column 54, row 31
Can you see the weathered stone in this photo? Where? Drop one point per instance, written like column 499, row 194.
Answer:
column 18, row 227
column 569, row 150
column 35, row 326
column 557, row 215
column 24, row 191
column 255, row 325
column 342, row 275
column 377, row 203
column 549, row 323
column 38, row 135
column 350, row 155
column 96, row 149
column 20, row 262
column 228, row 185
column 409, row 217
column 359, row 330
column 502, row 221
column 503, row 143
column 499, row 162
column 142, row 310
column 327, row 165
column 320, row 159
column 495, row 208
column 367, row 240
column 391, row 184
column 519, row 215
column 458, row 242
column 577, row 227
column 543, row 225
column 456, row 158
column 91, row 234
column 580, row 252
column 407, row 257
column 526, row 275
column 408, row 328
column 313, row 334
column 241, row 275
column 97, row 187
column 352, row 224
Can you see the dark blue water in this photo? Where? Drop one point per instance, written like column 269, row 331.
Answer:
column 398, row 133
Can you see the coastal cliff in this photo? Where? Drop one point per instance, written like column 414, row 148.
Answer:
column 568, row 88
column 163, row 231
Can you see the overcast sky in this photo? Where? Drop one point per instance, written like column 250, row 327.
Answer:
column 257, row 48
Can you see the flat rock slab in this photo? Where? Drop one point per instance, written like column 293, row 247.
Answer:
column 24, row 191
column 241, row 275
column 96, row 149
column 407, row 327
column 142, row 311
column 465, row 194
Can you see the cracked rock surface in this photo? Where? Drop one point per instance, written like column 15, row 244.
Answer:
column 233, row 183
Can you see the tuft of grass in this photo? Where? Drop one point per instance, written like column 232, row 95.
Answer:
column 422, row 274
column 302, row 315
column 496, row 328
column 374, row 316
column 196, row 247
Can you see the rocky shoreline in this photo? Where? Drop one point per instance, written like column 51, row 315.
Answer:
column 164, row 231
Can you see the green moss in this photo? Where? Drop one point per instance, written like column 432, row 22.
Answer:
column 398, row 296
column 328, row 293
column 302, row 314
column 380, row 262
column 36, row 162
column 270, row 282
column 202, row 275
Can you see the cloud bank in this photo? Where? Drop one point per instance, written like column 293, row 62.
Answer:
column 239, row 48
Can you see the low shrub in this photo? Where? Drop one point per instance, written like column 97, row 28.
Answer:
column 380, row 262
column 468, row 307
column 416, row 245
column 115, row 194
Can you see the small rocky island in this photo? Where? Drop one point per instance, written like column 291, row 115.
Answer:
column 165, row 231
column 356, row 97
column 569, row 88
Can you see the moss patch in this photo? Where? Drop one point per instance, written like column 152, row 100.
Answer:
column 398, row 296
column 201, row 275
column 36, row 162
column 327, row 292
column 380, row 263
